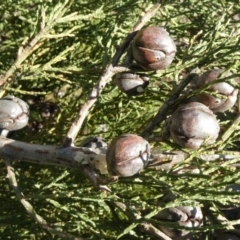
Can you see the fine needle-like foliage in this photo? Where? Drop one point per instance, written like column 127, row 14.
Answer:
column 54, row 54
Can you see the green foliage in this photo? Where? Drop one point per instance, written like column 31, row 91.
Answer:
column 74, row 41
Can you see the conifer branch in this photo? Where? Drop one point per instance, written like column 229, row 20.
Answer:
column 110, row 70
column 46, row 25
column 29, row 208
column 86, row 159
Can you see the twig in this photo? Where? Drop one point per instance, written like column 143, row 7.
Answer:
column 167, row 160
column 77, row 158
column 109, row 71
column 98, row 183
column 166, row 107
column 29, row 208
column 156, row 233
column 86, row 159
